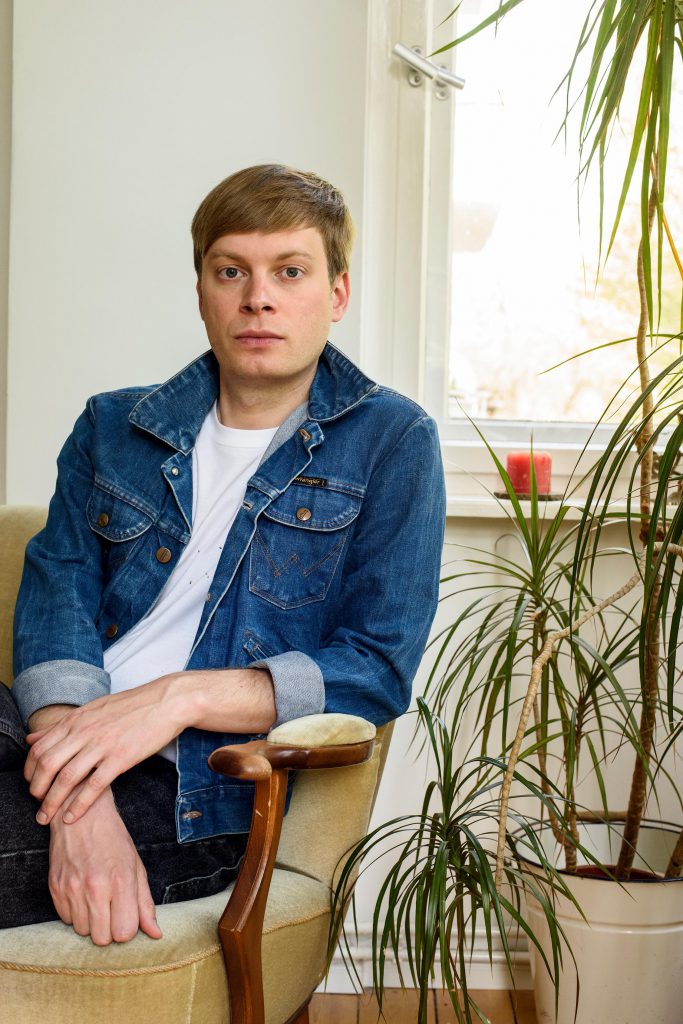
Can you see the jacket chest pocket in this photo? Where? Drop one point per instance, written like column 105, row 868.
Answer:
column 118, row 522
column 298, row 543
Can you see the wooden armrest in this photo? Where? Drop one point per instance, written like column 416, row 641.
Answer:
column 256, row 759
column 311, row 742
column 315, row 741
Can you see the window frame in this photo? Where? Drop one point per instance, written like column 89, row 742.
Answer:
column 405, row 257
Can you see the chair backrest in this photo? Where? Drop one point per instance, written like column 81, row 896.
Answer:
column 330, row 812
column 18, row 523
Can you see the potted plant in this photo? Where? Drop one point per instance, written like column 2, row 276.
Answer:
column 550, row 675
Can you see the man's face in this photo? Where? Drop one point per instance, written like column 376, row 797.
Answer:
column 267, row 304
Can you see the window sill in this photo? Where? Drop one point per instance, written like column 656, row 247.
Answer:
column 465, row 506
column 471, row 472
column 468, row 506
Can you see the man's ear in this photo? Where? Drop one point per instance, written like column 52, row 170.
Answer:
column 199, row 296
column 341, row 292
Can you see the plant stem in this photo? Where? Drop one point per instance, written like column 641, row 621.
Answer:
column 638, row 791
column 644, row 436
column 532, row 690
column 598, row 817
column 675, row 864
column 570, row 848
column 538, row 634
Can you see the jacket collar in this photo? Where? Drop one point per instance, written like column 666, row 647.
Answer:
column 338, row 385
column 175, row 410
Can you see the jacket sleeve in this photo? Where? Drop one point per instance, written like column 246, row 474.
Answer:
column 388, row 597
column 57, row 649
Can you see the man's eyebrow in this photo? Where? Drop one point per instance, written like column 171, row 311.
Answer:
column 224, row 254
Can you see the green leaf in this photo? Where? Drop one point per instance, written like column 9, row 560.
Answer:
column 503, row 9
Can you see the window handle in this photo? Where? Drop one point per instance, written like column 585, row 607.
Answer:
column 421, row 66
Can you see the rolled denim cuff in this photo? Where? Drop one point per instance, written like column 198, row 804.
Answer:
column 298, row 685
column 58, row 682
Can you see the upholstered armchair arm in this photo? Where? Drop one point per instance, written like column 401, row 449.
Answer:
column 316, row 741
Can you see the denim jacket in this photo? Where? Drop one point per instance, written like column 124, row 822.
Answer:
column 328, row 576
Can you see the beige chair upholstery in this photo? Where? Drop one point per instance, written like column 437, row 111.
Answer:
column 51, row 975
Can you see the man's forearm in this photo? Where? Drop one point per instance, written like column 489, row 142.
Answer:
column 225, row 700
column 104, row 738
column 219, row 700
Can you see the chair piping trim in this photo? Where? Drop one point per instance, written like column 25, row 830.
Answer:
column 76, row 972
column 299, row 920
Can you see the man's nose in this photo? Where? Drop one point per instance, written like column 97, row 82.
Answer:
column 256, row 295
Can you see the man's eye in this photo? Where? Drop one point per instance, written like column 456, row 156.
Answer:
column 290, row 272
column 229, row 272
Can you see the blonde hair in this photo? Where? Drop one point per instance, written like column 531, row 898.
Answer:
column 273, row 197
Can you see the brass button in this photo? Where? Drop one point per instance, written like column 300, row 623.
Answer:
column 303, row 514
column 102, row 519
column 111, row 631
column 164, row 555
column 304, row 433
column 175, row 471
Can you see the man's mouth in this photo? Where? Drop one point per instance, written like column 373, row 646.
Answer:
column 257, row 339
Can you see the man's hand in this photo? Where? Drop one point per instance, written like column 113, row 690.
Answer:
column 96, row 743
column 48, row 716
column 97, row 881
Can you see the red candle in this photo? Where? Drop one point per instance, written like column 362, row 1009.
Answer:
column 519, row 470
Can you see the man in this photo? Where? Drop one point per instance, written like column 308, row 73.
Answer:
column 257, row 539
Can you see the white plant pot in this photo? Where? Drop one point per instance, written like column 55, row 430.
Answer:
column 629, row 953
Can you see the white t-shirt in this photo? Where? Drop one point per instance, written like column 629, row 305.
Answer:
column 223, row 460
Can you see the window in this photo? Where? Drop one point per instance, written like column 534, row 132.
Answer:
column 436, row 198
column 505, row 240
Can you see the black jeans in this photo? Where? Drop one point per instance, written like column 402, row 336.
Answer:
column 145, row 798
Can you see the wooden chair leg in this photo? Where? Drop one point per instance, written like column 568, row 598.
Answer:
column 240, row 929
column 241, row 926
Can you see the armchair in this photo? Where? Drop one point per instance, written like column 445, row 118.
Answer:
column 257, row 960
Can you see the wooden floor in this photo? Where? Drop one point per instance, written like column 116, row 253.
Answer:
column 400, row 1007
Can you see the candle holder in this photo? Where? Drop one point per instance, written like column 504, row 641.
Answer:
column 527, row 497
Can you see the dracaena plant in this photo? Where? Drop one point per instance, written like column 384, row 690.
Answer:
column 529, row 679
column 534, row 668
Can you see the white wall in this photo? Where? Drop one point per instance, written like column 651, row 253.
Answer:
column 124, row 116
column 5, row 158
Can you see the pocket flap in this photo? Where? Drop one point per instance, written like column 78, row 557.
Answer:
column 113, row 517
column 314, row 508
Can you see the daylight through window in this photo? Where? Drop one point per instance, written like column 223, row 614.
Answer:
column 523, row 275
